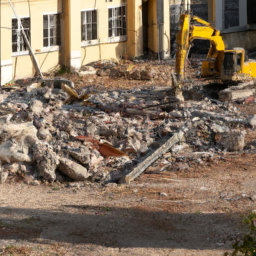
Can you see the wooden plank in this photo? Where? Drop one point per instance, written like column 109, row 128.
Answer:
column 177, row 137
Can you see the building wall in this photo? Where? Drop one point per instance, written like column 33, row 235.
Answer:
column 228, row 15
column 22, row 66
column 231, row 18
column 73, row 52
column 104, row 47
column 244, row 40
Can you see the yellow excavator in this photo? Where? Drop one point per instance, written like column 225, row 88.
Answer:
column 228, row 65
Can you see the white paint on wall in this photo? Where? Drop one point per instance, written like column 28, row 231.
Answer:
column 75, row 59
column 75, row 54
column 75, row 63
column 6, row 71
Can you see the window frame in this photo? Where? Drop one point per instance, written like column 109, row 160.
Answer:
column 55, row 46
column 93, row 40
column 18, row 52
column 122, row 20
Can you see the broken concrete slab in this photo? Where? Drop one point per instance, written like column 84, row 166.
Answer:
column 11, row 152
column 36, row 107
column 17, row 131
column 221, row 117
column 46, row 161
column 3, row 177
column 233, row 95
column 73, row 170
column 252, row 120
column 11, row 168
column 104, row 72
column 230, row 141
column 33, row 87
column 136, row 75
column 176, row 138
column 87, row 70
column 44, row 134
column 147, row 74
column 80, row 154
column 3, row 97
column 16, row 140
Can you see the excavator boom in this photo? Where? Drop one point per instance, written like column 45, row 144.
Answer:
column 187, row 33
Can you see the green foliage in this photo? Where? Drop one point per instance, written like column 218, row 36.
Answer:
column 63, row 70
column 107, row 209
column 11, row 83
column 247, row 245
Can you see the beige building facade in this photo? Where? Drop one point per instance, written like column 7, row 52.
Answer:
column 75, row 33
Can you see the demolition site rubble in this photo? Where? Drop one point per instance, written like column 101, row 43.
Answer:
column 51, row 133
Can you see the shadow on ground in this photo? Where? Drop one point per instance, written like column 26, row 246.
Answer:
column 119, row 227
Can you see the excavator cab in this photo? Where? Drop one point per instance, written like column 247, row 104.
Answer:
column 232, row 67
column 233, row 64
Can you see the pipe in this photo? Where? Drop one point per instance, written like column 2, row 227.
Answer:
column 27, row 42
column 185, row 6
column 188, row 6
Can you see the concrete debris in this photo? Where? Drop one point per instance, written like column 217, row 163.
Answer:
column 252, row 120
column 11, row 168
column 87, row 70
column 45, row 160
column 233, row 95
column 73, row 170
column 82, row 154
column 177, row 137
column 37, row 107
column 230, row 141
column 3, row 177
column 16, row 141
column 104, row 72
column 51, row 132
column 44, row 134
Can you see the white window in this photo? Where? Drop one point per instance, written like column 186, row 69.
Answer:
column 89, row 25
column 117, row 21
column 51, row 30
column 18, row 41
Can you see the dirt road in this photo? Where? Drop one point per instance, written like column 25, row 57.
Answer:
column 199, row 214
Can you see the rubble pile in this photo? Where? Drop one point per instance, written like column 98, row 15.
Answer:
column 50, row 133
column 129, row 70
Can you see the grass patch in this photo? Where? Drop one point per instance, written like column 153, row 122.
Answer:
column 64, row 70
column 16, row 250
column 5, row 225
column 32, row 218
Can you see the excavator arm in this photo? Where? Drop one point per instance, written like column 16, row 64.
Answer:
column 187, row 33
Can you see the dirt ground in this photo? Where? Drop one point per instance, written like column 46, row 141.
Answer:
column 200, row 213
